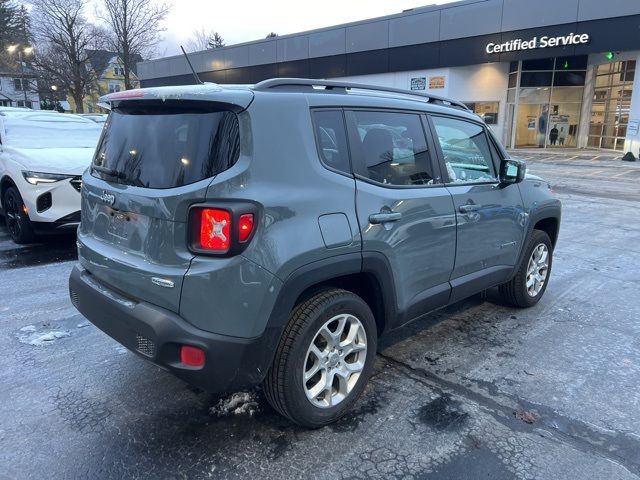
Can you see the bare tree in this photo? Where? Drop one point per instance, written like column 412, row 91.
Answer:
column 199, row 40
column 204, row 40
column 63, row 34
column 136, row 27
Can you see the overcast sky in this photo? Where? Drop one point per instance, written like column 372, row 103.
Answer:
column 246, row 20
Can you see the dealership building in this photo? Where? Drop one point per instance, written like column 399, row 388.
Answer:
column 544, row 73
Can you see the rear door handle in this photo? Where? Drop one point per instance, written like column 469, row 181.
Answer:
column 376, row 218
column 468, row 208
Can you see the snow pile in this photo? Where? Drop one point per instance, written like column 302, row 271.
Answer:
column 240, row 403
column 31, row 336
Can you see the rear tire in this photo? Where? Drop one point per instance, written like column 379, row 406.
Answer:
column 324, row 359
column 16, row 218
column 530, row 281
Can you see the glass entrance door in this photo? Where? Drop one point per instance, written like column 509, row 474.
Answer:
column 531, row 127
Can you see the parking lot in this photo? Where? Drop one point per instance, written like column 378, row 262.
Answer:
column 477, row 390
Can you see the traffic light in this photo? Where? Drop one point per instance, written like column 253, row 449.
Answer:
column 609, row 56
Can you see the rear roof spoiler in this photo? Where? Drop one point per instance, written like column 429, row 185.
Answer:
column 207, row 92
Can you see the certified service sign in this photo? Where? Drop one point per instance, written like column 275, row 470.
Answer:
column 520, row 44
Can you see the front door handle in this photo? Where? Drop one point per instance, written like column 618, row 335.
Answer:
column 376, row 218
column 468, row 208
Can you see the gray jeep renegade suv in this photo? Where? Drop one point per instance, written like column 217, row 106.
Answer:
column 269, row 234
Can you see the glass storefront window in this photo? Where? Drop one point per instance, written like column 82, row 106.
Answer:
column 536, row 79
column 563, row 125
column 488, row 111
column 593, row 142
column 567, row 94
column 534, row 95
column 569, row 79
column 595, row 129
column 531, row 125
column 549, row 102
column 572, row 63
column 611, row 104
column 538, row 64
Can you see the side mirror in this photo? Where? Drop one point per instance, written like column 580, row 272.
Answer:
column 511, row 171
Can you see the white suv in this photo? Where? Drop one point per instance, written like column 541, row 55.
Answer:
column 42, row 157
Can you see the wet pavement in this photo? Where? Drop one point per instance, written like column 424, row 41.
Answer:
column 478, row 390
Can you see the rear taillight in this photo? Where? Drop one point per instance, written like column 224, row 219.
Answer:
column 221, row 230
column 215, row 229
column 245, row 227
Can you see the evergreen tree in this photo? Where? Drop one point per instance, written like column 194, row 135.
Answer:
column 23, row 26
column 216, row 41
column 9, row 23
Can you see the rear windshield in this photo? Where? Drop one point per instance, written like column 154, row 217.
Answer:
column 166, row 146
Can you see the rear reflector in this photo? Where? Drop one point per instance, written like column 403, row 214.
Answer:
column 192, row 356
column 245, row 227
column 215, row 229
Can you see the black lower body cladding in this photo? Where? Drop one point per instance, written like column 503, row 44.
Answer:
column 158, row 334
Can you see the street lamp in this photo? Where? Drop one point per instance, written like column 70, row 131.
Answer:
column 22, row 50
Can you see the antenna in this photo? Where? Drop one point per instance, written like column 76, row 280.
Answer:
column 195, row 75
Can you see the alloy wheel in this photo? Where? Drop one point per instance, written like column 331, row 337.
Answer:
column 537, row 269
column 12, row 215
column 334, row 361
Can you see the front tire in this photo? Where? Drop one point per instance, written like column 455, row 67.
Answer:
column 530, row 281
column 324, row 359
column 16, row 217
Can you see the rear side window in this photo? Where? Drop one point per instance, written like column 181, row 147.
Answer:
column 163, row 146
column 332, row 139
column 391, row 148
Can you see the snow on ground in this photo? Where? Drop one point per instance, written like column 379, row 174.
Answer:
column 31, row 336
column 240, row 403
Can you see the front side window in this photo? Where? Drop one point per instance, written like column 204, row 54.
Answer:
column 332, row 139
column 391, row 148
column 466, row 151
column 166, row 145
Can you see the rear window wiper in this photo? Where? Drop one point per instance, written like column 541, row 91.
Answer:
column 109, row 172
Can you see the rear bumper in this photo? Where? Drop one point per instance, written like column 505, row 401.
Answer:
column 157, row 334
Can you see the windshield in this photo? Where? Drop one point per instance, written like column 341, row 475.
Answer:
column 51, row 131
column 164, row 146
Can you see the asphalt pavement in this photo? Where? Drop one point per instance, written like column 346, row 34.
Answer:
column 475, row 391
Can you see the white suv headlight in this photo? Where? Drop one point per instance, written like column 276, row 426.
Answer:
column 34, row 178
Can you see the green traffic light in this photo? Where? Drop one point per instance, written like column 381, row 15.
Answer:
column 609, row 56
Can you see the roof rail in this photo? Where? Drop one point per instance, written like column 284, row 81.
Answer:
column 274, row 83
